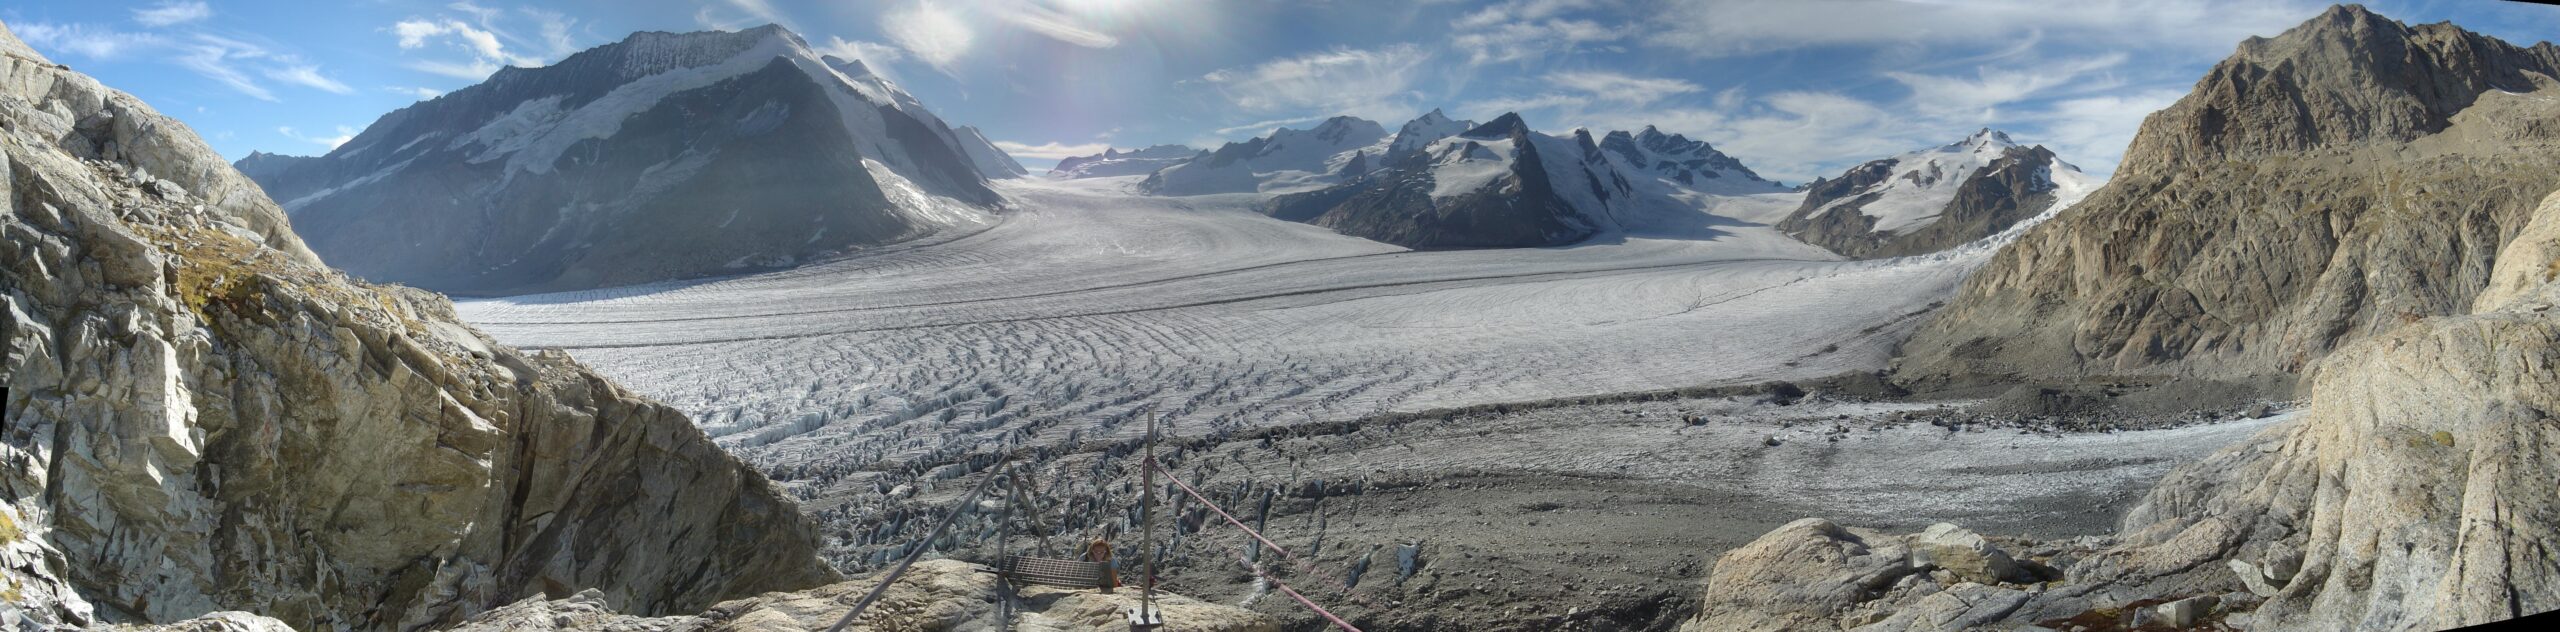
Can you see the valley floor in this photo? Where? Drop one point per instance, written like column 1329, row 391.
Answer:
column 1053, row 331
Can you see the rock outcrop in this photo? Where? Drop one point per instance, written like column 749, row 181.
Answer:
column 203, row 419
column 662, row 156
column 1934, row 199
column 2348, row 177
column 935, row 596
column 2413, row 494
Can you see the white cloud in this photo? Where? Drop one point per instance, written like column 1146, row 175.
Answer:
column 172, row 13
column 1715, row 28
column 218, row 59
column 1524, row 30
column 87, row 41
column 308, row 76
column 1055, row 25
column 1257, row 128
column 345, row 134
column 758, row 9
column 421, row 93
column 936, row 37
column 1373, row 83
column 483, row 47
column 233, row 63
column 1622, row 88
column 1050, row 150
column 873, row 55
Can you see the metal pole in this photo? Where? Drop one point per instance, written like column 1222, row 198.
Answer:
column 1147, row 517
column 892, row 576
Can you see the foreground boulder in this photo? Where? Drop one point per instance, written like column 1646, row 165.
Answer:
column 200, row 418
column 935, row 596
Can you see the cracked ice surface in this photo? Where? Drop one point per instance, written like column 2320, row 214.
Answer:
column 1088, row 304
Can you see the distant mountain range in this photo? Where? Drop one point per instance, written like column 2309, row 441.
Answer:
column 1113, row 162
column 657, row 157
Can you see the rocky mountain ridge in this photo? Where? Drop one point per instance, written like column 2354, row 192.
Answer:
column 2318, row 187
column 202, row 418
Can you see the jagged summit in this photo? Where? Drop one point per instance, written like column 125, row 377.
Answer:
column 1691, row 163
column 1503, row 126
column 2342, row 78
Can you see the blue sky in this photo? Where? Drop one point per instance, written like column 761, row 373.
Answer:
column 1795, row 89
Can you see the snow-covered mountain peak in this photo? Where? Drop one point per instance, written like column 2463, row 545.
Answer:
column 1421, row 131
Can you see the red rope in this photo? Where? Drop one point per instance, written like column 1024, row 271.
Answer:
column 1303, row 566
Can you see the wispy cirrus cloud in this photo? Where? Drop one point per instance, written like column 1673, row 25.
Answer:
column 1372, row 82
column 473, row 40
column 242, row 66
column 172, row 13
column 345, row 133
column 1717, row 28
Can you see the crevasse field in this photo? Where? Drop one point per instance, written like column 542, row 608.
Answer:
column 1087, row 303
column 1085, row 306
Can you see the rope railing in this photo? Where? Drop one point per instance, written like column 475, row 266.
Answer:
column 966, row 501
column 1303, row 566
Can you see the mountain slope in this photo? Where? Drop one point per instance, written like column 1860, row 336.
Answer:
column 1937, row 198
column 1113, row 162
column 648, row 159
column 202, row 418
column 2350, row 175
column 1287, row 160
column 990, row 161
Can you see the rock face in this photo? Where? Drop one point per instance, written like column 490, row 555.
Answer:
column 2414, row 494
column 2345, row 178
column 1113, row 162
column 935, row 596
column 201, row 418
column 1934, row 199
column 649, row 159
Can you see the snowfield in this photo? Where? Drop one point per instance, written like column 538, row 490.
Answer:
column 1089, row 304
